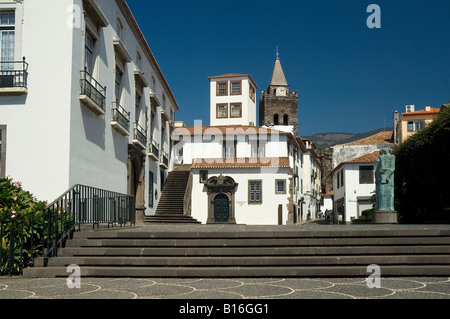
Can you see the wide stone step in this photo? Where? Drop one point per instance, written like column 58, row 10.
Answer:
column 270, row 242
column 99, row 247
column 251, row 261
column 240, row 272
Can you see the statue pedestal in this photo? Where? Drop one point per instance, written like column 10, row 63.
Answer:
column 385, row 217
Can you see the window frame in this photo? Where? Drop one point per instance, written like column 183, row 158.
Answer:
column 277, row 191
column 363, row 174
column 218, row 88
column 201, row 179
column 217, row 110
column 250, row 192
column 238, row 104
column 240, row 87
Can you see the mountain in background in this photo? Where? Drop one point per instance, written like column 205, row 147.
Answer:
column 326, row 140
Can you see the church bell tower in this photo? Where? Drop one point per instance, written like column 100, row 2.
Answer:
column 278, row 107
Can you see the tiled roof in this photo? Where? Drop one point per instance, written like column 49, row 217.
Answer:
column 432, row 111
column 377, row 139
column 366, row 158
column 281, row 162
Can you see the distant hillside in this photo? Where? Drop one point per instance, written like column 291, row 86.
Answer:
column 326, row 140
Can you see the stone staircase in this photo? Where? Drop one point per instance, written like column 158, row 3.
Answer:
column 171, row 205
column 151, row 252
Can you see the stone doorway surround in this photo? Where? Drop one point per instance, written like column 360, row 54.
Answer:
column 221, row 185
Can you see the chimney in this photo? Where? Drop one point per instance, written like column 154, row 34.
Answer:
column 428, row 108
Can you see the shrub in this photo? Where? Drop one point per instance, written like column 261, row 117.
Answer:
column 20, row 225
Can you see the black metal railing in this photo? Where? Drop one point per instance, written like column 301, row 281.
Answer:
column 41, row 234
column 154, row 148
column 121, row 116
column 91, row 88
column 140, row 134
column 13, row 74
column 165, row 158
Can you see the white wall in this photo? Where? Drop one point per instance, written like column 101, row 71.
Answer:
column 248, row 106
column 38, row 123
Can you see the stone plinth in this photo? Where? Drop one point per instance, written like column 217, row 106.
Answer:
column 385, row 217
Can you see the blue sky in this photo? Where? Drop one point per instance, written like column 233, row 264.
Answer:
column 350, row 78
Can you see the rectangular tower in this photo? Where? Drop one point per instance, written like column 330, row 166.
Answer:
column 233, row 100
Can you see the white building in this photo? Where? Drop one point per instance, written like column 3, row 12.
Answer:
column 89, row 105
column 353, row 175
column 233, row 100
column 242, row 173
column 354, row 185
column 250, row 169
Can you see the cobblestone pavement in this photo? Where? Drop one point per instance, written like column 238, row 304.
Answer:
column 233, row 288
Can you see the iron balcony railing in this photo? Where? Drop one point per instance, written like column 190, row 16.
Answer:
column 13, row 74
column 42, row 233
column 121, row 116
column 165, row 158
column 154, row 148
column 91, row 88
column 140, row 134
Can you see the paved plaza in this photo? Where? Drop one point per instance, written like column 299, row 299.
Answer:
column 230, row 288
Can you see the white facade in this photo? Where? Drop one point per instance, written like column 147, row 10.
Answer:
column 275, row 159
column 70, row 128
column 233, row 100
column 351, row 194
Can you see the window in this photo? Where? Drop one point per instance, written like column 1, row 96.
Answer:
column 276, row 119
column 118, row 84
column 150, row 190
column 229, row 148
column 415, row 126
column 236, row 88
column 257, row 148
column 236, row 110
column 280, row 186
column 285, row 119
column 366, row 175
column 252, row 93
column 89, row 53
column 203, row 176
column 222, row 111
column 254, row 192
column 119, row 28
column 7, row 38
column 342, row 178
column 222, row 88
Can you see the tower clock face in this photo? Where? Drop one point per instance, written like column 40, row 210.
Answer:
column 281, row 91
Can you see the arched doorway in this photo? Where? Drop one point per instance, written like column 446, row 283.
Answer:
column 136, row 182
column 221, row 208
column 221, row 192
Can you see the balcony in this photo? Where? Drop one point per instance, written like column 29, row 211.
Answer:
column 153, row 151
column 139, row 137
column 164, row 161
column 92, row 94
column 121, row 119
column 13, row 77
